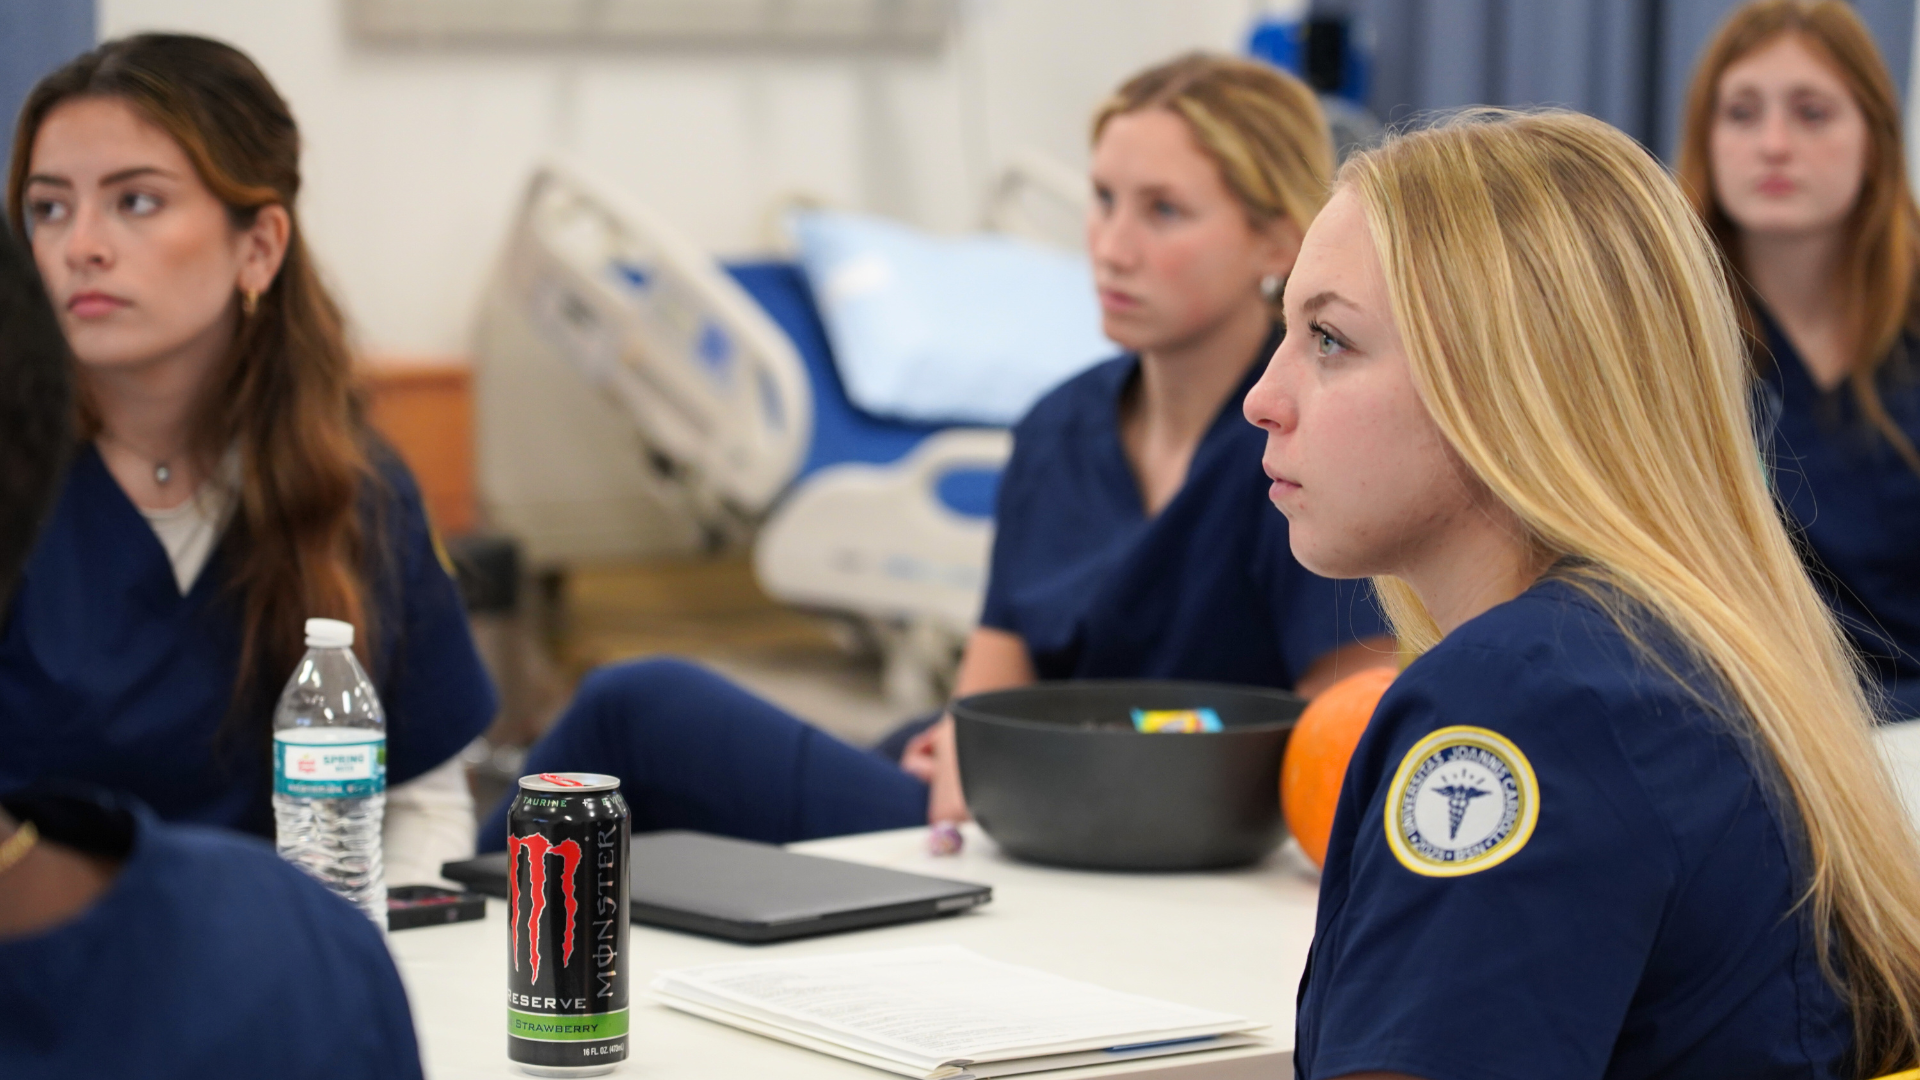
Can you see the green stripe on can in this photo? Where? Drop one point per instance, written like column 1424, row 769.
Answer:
column 563, row 1027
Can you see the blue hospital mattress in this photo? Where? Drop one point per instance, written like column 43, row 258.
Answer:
column 841, row 433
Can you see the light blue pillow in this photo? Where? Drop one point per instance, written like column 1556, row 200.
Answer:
column 964, row 330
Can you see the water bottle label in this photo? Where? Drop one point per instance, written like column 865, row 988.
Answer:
column 330, row 770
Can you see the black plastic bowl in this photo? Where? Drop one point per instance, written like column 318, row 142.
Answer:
column 1056, row 773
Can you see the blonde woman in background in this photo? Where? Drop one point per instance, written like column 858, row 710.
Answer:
column 1622, row 817
column 1792, row 156
column 1129, row 539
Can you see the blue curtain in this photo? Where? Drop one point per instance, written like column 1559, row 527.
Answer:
column 36, row 36
column 1625, row 61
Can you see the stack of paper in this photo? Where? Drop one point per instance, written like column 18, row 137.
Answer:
column 943, row 1013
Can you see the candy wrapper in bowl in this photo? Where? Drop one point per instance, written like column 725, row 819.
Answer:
column 1175, row 721
column 1080, row 773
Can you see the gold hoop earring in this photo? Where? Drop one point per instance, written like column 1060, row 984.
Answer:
column 249, row 302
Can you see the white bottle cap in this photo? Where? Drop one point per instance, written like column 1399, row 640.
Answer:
column 329, row 634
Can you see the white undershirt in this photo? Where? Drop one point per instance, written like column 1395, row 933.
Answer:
column 429, row 819
column 429, row 823
column 190, row 531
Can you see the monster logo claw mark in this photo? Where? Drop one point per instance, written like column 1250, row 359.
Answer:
column 569, row 852
column 538, row 849
column 514, row 843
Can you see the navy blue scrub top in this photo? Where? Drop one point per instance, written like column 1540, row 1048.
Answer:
column 1208, row 589
column 1856, row 503
column 208, row 956
column 109, row 675
column 1549, row 859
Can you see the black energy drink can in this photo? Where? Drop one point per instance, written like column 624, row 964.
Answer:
column 567, row 887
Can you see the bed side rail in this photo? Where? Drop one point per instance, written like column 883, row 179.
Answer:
column 1039, row 198
column 715, row 389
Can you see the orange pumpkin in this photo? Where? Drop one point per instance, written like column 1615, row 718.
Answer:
column 1317, row 754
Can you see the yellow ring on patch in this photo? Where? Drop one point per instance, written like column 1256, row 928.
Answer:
column 440, row 552
column 1518, row 789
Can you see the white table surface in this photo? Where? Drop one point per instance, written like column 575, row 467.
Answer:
column 1234, row 941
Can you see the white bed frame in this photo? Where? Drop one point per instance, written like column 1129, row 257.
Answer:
column 576, row 363
column 868, row 538
column 633, row 400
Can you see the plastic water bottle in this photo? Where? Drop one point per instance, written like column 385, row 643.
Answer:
column 330, row 770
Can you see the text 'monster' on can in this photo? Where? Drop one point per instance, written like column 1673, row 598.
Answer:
column 567, row 839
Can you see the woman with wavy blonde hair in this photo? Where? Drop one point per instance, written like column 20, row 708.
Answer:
column 1622, row 816
column 1792, row 156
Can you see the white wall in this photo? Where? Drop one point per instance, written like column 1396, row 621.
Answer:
column 1911, row 134
column 414, row 157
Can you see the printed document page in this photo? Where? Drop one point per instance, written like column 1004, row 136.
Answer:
column 937, row 1006
column 978, row 1070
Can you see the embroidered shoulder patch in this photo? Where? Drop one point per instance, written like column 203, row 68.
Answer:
column 1464, row 799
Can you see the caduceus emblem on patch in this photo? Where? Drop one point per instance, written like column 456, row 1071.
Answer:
column 1464, row 799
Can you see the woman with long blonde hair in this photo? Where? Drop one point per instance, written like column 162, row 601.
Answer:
column 1792, row 155
column 1621, row 817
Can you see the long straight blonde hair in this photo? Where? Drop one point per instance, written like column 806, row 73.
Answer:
column 1569, row 325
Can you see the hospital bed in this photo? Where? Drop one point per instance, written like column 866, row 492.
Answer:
column 636, row 396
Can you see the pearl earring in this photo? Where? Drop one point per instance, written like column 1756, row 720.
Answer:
column 1270, row 286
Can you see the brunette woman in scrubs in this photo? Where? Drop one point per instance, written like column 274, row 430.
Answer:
column 1130, row 541
column 226, row 487
column 1792, row 155
column 105, row 911
column 1622, row 817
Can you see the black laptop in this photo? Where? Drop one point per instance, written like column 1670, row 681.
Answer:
column 743, row 891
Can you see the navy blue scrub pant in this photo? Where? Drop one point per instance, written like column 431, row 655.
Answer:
column 694, row 751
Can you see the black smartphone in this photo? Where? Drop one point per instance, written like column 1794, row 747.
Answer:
column 409, row 906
